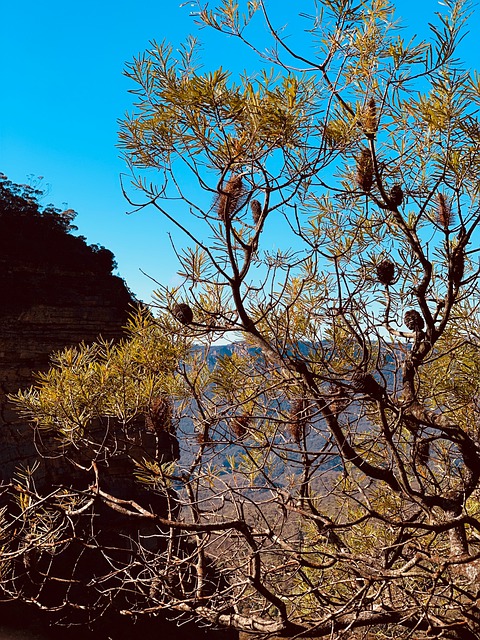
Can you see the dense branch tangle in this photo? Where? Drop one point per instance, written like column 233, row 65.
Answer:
column 328, row 481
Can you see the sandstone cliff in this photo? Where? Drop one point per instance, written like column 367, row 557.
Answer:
column 56, row 291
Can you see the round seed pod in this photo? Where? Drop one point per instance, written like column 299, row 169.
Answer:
column 413, row 320
column 396, row 195
column 183, row 313
column 386, row 272
column 365, row 383
column 158, row 416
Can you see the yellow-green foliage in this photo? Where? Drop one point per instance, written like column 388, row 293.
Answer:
column 105, row 381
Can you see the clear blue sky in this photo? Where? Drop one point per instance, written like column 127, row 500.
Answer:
column 63, row 91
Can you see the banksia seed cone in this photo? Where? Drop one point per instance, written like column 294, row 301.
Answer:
column 365, row 170
column 298, row 418
column 158, row 416
column 444, row 211
column 370, row 120
column 366, row 383
column 458, row 266
column 229, row 198
column 413, row 320
column 239, row 426
column 385, row 272
column 256, row 208
column 396, row 195
column 183, row 313
column 423, row 452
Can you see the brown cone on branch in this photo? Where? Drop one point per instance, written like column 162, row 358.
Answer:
column 158, row 416
column 256, row 208
column 458, row 266
column 413, row 320
column 396, row 195
column 370, row 119
column 298, row 418
column 423, row 452
column 444, row 211
column 183, row 313
column 385, row 272
column 365, row 170
column 239, row 425
column 230, row 198
column 365, row 383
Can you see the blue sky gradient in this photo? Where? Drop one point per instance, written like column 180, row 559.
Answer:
column 63, row 92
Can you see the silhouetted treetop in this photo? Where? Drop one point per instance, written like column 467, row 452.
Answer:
column 41, row 235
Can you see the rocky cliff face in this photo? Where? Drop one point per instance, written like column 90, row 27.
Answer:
column 56, row 291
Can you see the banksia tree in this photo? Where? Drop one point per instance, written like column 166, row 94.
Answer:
column 316, row 521
column 339, row 399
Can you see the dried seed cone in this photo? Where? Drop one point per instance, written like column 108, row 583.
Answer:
column 396, row 195
column 370, row 120
column 444, row 211
column 256, row 208
column 183, row 313
column 365, row 383
column 239, row 426
column 423, row 453
column 458, row 266
column 158, row 416
column 385, row 272
column 230, row 197
column 413, row 320
column 365, row 170
column 298, row 418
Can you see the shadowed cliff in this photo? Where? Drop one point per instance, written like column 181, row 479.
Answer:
column 56, row 291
